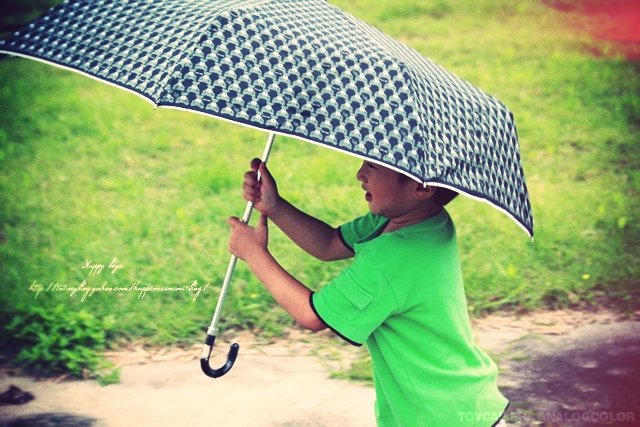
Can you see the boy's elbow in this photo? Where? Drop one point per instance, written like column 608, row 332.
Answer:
column 312, row 323
column 334, row 254
column 326, row 257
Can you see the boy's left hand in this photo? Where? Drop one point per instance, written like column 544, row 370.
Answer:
column 247, row 241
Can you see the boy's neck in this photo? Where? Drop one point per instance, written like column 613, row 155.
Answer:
column 413, row 217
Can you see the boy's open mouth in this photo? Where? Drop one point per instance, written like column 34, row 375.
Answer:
column 368, row 196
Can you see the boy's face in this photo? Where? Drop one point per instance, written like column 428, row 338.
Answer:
column 386, row 194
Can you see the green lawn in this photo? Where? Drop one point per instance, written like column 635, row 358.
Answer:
column 92, row 173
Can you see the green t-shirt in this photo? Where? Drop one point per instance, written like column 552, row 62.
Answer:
column 403, row 295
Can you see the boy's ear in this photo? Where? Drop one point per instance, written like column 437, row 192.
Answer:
column 423, row 192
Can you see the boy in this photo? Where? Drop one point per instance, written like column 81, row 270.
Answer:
column 402, row 295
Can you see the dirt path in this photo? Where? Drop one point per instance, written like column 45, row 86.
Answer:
column 287, row 383
column 586, row 377
column 270, row 385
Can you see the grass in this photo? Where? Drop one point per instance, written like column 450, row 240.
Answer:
column 91, row 173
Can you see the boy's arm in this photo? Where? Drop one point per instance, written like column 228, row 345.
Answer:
column 314, row 236
column 250, row 245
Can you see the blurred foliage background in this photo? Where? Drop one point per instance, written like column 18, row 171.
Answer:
column 92, row 174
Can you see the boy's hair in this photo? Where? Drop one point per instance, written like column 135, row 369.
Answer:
column 443, row 195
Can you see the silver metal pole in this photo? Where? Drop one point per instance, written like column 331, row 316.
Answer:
column 213, row 328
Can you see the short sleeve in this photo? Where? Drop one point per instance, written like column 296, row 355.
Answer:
column 356, row 302
column 360, row 228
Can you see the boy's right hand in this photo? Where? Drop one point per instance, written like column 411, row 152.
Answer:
column 263, row 193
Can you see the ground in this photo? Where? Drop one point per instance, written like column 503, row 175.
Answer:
column 560, row 368
column 571, row 368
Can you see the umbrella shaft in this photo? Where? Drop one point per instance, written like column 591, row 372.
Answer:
column 213, row 328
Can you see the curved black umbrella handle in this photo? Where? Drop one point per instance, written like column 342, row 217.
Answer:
column 206, row 354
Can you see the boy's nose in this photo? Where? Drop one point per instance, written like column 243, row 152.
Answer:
column 360, row 176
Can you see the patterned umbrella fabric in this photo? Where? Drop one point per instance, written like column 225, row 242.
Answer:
column 302, row 68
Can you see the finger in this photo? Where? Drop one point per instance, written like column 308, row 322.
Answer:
column 263, row 220
column 262, row 229
column 255, row 164
column 265, row 175
column 249, row 188
column 250, row 193
column 251, row 177
column 234, row 221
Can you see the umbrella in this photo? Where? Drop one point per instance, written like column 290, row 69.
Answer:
column 301, row 68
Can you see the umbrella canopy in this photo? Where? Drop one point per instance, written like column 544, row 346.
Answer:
column 302, row 68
